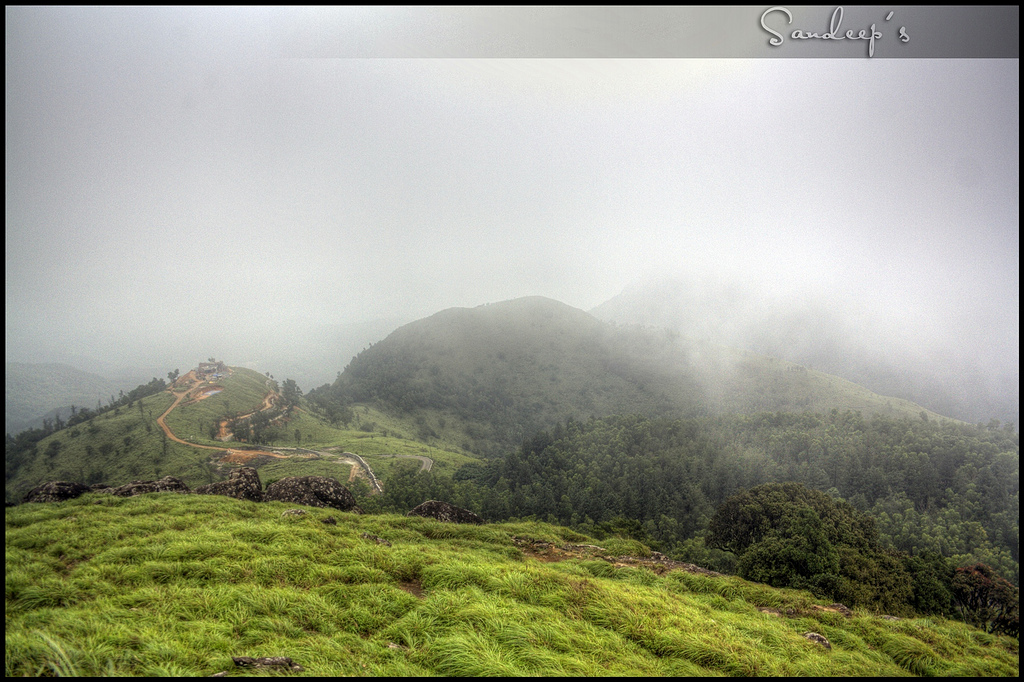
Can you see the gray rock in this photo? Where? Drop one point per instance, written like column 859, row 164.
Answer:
column 55, row 491
column 267, row 662
column 164, row 485
column 818, row 639
column 442, row 511
column 312, row 491
column 242, row 484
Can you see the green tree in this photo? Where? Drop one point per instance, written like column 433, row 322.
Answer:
column 987, row 600
column 787, row 535
column 290, row 392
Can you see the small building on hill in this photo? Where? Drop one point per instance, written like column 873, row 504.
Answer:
column 207, row 368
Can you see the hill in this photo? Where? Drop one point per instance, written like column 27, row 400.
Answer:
column 503, row 371
column 126, row 440
column 809, row 333
column 33, row 392
column 169, row 584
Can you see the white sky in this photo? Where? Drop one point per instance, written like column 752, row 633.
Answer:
column 170, row 185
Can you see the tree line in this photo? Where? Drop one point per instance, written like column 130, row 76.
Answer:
column 18, row 448
column 920, row 499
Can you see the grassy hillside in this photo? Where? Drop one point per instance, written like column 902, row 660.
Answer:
column 115, row 447
column 242, row 391
column 499, row 373
column 760, row 384
column 127, row 443
column 177, row 585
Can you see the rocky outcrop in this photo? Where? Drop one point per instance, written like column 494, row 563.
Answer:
column 442, row 511
column 267, row 662
column 277, row 663
column 242, row 484
column 55, row 491
column 818, row 639
column 167, row 484
column 312, row 491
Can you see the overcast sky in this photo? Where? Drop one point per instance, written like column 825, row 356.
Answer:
column 172, row 182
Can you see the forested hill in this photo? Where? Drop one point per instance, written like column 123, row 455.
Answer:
column 509, row 369
column 513, row 368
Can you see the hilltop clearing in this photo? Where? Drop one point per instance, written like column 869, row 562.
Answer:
column 169, row 584
column 192, row 389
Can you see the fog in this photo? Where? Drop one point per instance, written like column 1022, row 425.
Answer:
column 177, row 189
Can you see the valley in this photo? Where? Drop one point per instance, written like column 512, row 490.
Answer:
column 512, row 342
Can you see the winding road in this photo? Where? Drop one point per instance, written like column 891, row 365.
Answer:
column 426, row 463
column 178, row 397
column 354, row 460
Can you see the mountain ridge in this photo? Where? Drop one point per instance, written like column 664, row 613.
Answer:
column 524, row 364
column 37, row 391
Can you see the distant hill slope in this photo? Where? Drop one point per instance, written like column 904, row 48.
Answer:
column 809, row 334
column 511, row 368
column 35, row 391
column 126, row 442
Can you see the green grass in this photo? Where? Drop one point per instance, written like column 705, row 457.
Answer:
column 96, row 452
column 399, row 439
column 127, row 444
column 176, row 585
column 244, row 391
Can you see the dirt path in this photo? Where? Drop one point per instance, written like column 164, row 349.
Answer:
column 236, row 456
column 167, row 431
column 222, row 425
column 268, row 402
column 426, row 464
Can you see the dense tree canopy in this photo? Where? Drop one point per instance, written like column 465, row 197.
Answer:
column 987, row 600
column 790, row 536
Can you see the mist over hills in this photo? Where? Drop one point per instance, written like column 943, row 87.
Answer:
column 665, row 349
column 509, row 369
column 33, row 392
column 515, row 366
column 828, row 339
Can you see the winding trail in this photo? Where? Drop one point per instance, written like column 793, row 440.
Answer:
column 426, row 464
column 350, row 458
column 357, row 463
column 167, row 431
column 268, row 402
